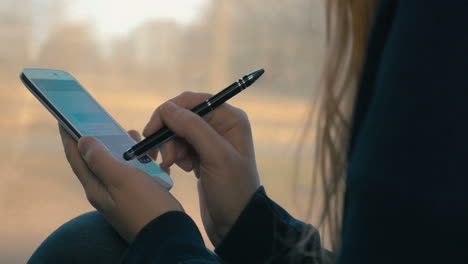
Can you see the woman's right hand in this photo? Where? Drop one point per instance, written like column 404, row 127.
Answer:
column 219, row 149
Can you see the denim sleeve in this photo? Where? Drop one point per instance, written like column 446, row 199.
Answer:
column 266, row 233
column 172, row 238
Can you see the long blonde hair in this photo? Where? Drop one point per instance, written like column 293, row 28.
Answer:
column 348, row 26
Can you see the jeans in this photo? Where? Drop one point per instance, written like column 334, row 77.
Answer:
column 88, row 238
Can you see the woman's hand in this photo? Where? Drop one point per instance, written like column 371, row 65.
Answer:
column 219, row 149
column 126, row 196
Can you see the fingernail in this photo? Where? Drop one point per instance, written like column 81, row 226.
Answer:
column 169, row 108
column 186, row 164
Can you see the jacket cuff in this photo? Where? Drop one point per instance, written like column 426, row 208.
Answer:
column 250, row 238
column 164, row 238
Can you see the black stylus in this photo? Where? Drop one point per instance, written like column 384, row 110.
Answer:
column 165, row 134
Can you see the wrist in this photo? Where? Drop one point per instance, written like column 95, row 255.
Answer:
column 216, row 236
column 219, row 229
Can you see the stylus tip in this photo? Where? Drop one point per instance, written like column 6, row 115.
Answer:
column 129, row 155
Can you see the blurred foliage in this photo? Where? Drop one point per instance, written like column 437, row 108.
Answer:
column 229, row 39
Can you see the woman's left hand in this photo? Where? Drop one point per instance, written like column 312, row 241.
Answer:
column 126, row 196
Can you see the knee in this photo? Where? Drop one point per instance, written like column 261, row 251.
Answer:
column 88, row 238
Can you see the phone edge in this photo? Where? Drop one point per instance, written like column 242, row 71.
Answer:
column 62, row 120
column 66, row 124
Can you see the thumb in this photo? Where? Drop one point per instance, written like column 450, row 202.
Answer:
column 102, row 163
column 195, row 130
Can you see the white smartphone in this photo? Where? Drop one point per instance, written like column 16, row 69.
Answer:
column 81, row 115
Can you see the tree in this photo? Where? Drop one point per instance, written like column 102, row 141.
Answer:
column 71, row 47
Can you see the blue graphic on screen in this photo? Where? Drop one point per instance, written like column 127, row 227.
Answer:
column 89, row 119
column 78, row 107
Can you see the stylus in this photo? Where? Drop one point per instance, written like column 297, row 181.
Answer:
column 165, row 134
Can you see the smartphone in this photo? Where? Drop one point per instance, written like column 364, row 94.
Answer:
column 81, row 115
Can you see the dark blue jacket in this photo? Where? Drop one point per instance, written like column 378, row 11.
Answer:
column 407, row 181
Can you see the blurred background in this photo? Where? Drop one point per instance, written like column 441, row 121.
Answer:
column 132, row 56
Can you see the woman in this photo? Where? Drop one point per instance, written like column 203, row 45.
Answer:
column 406, row 179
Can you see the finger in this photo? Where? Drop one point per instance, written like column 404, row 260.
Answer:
column 180, row 153
column 196, row 131
column 73, row 156
column 135, row 135
column 167, row 154
column 173, row 151
column 153, row 154
column 165, row 169
column 228, row 121
column 186, row 100
column 100, row 161
column 93, row 187
column 64, row 134
column 186, row 163
column 189, row 100
column 185, row 155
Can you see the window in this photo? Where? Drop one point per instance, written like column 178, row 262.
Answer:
column 132, row 56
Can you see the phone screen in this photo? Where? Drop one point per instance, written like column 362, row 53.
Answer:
column 88, row 118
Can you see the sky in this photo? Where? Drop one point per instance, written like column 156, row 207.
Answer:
column 119, row 16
